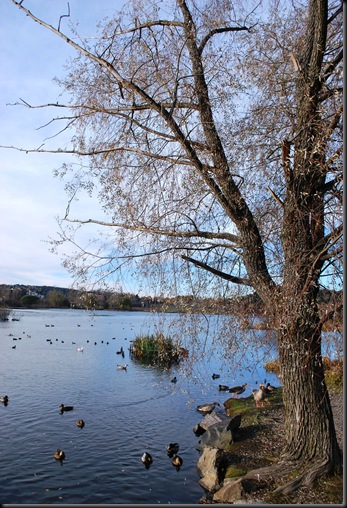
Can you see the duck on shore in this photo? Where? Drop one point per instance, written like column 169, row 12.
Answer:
column 260, row 396
column 207, row 408
column 237, row 390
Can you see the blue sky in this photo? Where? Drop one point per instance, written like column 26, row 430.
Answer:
column 30, row 197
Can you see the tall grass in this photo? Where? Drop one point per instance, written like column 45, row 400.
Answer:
column 157, row 349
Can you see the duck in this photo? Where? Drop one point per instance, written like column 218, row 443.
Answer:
column 215, row 376
column 172, row 449
column 177, row 461
column 237, row 390
column 260, row 396
column 224, row 388
column 207, row 408
column 270, row 387
column 174, row 380
column 147, row 459
column 59, row 454
column 80, row 424
column 65, row 408
column 122, row 367
column 79, row 349
column 4, row 399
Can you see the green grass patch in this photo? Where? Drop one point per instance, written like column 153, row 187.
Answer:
column 234, row 472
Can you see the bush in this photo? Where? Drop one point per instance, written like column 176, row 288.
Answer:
column 157, row 349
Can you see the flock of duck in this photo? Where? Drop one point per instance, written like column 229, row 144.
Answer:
column 259, row 394
column 172, row 450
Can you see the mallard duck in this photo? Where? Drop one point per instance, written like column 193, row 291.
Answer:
column 177, row 461
column 59, row 454
column 65, row 408
column 147, row 459
column 237, row 390
column 4, row 399
column 260, row 396
column 270, row 387
column 172, row 448
column 207, row 408
column 215, row 376
column 80, row 424
column 224, row 388
column 122, row 367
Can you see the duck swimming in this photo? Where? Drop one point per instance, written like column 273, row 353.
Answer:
column 215, row 376
column 65, row 408
column 59, row 454
column 80, row 424
column 147, row 459
column 207, row 408
column 224, row 388
column 172, row 448
column 237, row 390
column 4, row 400
column 174, row 380
column 177, row 461
column 122, row 367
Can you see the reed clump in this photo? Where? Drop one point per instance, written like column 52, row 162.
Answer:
column 157, row 349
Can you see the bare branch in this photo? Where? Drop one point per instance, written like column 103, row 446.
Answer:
column 223, row 275
column 161, row 232
column 219, row 31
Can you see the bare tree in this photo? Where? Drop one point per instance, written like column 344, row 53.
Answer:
column 214, row 136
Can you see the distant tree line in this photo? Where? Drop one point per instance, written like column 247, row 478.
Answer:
column 20, row 295
column 25, row 296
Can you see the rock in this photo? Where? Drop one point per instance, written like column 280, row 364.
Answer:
column 220, row 434
column 210, row 467
column 207, row 421
column 233, row 490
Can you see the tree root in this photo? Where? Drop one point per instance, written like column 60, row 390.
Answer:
column 305, row 474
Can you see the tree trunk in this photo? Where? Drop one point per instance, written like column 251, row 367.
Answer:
column 310, row 430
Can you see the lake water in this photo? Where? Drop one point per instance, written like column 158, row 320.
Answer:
column 126, row 412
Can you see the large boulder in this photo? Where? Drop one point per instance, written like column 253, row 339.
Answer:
column 220, row 434
column 233, row 490
column 211, row 466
